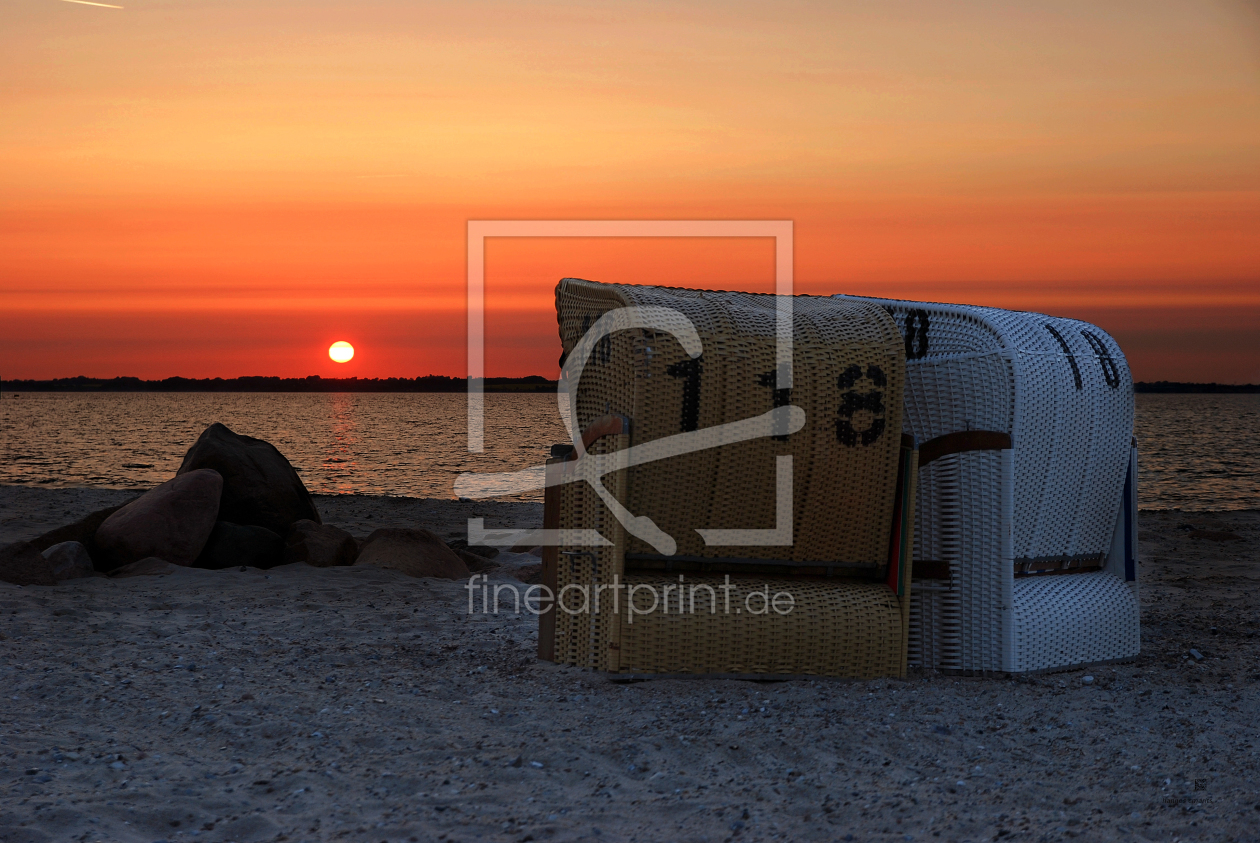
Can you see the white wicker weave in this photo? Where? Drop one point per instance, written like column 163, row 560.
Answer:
column 992, row 524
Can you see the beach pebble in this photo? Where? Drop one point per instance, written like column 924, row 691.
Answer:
column 260, row 486
column 1196, row 654
column 171, row 521
column 69, row 560
column 1087, row 680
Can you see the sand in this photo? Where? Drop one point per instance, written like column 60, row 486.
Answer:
column 358, row 704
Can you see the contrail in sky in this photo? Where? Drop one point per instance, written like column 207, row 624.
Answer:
column 88, row 3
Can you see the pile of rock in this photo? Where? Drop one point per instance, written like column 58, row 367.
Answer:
column 236, row 501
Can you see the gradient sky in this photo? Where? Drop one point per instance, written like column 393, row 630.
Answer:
column 225, row 187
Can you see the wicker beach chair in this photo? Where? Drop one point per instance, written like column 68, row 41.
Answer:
column 707, row 530
column 1025, row 555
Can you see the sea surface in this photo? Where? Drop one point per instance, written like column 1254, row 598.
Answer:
column 1196, row 452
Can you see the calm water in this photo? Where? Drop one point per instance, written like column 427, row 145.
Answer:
column 1198, row 452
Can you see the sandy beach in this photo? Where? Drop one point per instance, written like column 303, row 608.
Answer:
column 359, row 704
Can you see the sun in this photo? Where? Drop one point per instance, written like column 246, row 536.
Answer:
column 341, row 351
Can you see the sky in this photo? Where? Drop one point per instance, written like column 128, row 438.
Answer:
column 225, row 187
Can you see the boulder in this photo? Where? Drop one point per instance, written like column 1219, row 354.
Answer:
column 150, row 566
column 69, row 560
column 260, row 487
column 82, row 531
column 480, row 549
column 474, row 561
column 171, row 522
column 231, row 545
column 417, row 553
column 321, row 545
column 22, row 564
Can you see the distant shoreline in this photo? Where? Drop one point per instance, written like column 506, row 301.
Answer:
column 314, row 383
column 1170, row 387
column 427, row 383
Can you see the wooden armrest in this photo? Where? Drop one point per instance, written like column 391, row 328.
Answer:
column 961, row 441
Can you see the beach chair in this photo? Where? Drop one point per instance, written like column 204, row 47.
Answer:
column 706, row 560
column 1026, row 533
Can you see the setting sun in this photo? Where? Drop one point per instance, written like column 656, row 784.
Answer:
column 341, row 352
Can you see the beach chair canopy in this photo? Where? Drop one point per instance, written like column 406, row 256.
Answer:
column 847, row 376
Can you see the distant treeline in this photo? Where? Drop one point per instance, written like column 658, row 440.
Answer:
column 1175, row 386
column 428, row 383
column 314, row 383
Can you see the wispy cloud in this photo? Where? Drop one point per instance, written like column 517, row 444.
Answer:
column 89, row 3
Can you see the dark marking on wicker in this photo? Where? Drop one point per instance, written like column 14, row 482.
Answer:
column 689, row 371
column 849, row 377
column 916, row 334
column 962, row 441
column 850, row 404
column 901, row 537
column 1071, row 358
column 1077, row 564
column 602, row 353
column 929, row 569
column 782, row 398
column 1110, row 371
column 718, row 564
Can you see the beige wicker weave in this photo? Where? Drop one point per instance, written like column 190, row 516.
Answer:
column 850, row 509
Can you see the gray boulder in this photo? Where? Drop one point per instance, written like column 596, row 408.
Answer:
column 321, row 545
column 22, row 564
column 69, row 560
column 171, row 522
column 417, row 553
column 231, row 545
column 82, row 531
column 260, row 487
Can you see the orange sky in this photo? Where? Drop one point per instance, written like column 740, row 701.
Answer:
column 225, row 187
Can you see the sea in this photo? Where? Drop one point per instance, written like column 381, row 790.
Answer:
column 1197, row 453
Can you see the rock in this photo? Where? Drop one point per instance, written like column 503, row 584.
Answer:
column 69, row 560
column 171, row 522
column 321, row 545
column 479, row 549
column 231, row 544
column 474, row 561
column 22, row 564
column 260, row 487
column 150, row 566
column 1197, row 655
column 82, row 531
column 1088, row 680
column 529, row 574
column 417, row 553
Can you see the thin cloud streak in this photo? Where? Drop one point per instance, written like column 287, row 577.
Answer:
column 89, row 3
